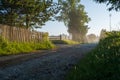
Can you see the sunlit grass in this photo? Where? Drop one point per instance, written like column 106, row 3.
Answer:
column 69, row 42
column 8, row 48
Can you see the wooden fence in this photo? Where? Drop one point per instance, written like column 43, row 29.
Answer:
column 20, row 34
column 60, row 37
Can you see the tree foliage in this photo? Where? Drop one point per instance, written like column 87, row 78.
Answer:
column 26, row 13
column 75, row 18
column 114, row 4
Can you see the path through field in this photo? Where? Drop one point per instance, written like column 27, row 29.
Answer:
column 52, row 65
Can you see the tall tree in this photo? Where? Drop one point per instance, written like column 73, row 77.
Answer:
column 114, row 4
column 27, row 13
column 75, row 18
column 76, row 25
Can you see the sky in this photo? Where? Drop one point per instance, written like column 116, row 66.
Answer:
column 100, row 19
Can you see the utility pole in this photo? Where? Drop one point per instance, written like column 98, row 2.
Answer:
column 110, row 21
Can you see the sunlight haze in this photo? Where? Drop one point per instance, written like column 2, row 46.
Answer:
column 99, row 20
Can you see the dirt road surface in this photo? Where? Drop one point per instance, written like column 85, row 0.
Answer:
column 51, row 65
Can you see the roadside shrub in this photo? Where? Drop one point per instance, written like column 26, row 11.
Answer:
column 103, row 63
column 44, row 45
column 7, row 48
column 3, row 43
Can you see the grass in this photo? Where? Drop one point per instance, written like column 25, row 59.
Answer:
column 8, row 48
column 103, row 63
column 70, row 42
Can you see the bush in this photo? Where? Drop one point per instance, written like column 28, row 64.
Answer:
column 103, row 63
column 44, row 45
column 7, row 48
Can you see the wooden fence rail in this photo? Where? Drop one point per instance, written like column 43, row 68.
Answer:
column 60, row 37
column 18, row 34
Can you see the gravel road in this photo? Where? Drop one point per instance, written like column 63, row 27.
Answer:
column 53, row 65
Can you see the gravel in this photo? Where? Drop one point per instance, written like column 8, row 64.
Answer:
column 48, row 67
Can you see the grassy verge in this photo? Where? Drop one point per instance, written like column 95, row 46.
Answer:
column 103, row 63
column 64, row 42
column 8, row 48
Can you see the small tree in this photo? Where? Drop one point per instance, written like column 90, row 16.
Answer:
column 91, row 38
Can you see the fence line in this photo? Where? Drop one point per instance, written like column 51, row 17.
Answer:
column 60, row 37
column 20, row 34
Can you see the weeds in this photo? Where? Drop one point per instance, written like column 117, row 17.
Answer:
column 7, row 48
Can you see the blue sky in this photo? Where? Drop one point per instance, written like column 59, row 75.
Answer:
column 99, row 20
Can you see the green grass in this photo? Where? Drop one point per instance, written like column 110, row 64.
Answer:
column 8, row 48
column 70, row 42
column 103, row 63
